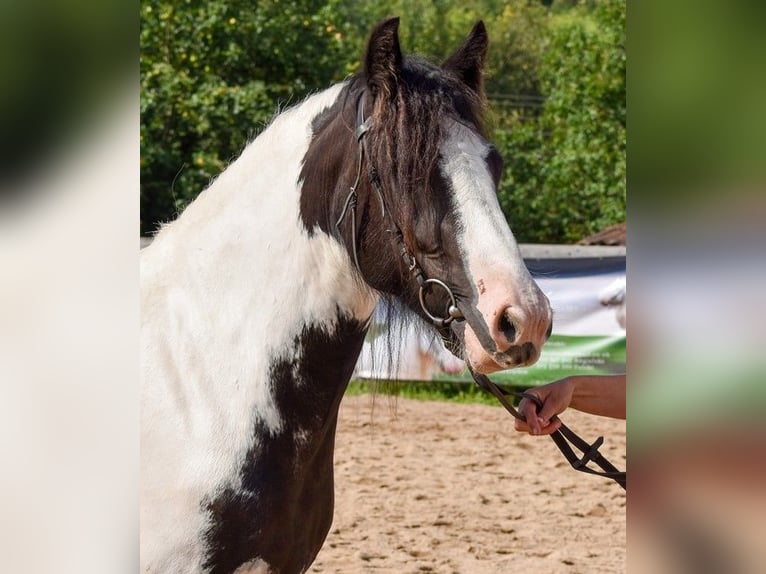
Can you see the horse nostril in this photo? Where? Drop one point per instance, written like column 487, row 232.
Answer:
column 507, row 328
column 549, row 331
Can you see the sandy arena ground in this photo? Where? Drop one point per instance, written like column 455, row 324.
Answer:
column 449, row 488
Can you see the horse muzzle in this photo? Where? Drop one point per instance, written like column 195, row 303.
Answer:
column 507, row 338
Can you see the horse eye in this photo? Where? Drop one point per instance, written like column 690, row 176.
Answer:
column 433, row 253
column 427, row 245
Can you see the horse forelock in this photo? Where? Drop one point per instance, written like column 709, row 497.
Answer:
column 403, row 142
column 406, row 138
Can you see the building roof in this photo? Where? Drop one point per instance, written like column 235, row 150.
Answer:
column 612, row 235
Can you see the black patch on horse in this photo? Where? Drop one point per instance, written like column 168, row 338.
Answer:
column 292, row 484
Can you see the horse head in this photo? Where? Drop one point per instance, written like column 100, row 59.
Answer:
column 413, row 197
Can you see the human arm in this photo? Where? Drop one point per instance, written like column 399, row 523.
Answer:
column 595, row 394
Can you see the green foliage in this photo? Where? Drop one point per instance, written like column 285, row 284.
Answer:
column 213, row 74
column 565, row 170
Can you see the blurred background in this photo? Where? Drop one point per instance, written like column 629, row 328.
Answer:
column 96, row 147
column 696, row 393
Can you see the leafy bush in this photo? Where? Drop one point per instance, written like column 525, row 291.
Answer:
column 212, row 75
column 565, row 170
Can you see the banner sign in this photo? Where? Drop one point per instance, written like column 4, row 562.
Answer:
column 589, row 314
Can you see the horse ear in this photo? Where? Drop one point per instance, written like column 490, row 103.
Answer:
column 384, row 58
column 467, row 62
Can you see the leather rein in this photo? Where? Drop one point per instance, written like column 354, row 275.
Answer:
column 566, row 440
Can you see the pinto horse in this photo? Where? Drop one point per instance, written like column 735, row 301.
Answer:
column 256, row 300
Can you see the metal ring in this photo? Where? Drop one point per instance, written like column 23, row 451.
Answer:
column 454, row 312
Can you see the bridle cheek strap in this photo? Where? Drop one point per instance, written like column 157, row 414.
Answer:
column 425, row 284
column 352, row 197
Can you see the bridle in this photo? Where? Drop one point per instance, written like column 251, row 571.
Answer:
column 452, row 313
column 564, row 438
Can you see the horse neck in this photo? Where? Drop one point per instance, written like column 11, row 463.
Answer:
column 251, row 279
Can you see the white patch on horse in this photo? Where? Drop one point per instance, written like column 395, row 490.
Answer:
column 495, row 265
column 226, row 290
column 484, row 237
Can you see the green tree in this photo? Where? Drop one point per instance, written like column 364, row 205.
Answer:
column 212, row 75
column 565, row 171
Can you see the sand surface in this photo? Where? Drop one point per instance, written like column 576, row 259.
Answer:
column 425, row 486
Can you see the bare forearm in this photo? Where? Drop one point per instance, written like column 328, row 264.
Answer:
column 599, row 394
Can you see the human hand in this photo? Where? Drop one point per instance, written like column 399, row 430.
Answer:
column 555, row 398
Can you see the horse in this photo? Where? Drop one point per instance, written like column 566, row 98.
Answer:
column 256, row 299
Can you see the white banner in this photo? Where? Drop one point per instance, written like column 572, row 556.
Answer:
column 589, row 316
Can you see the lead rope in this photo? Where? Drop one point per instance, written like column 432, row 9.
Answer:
column 564, row 437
